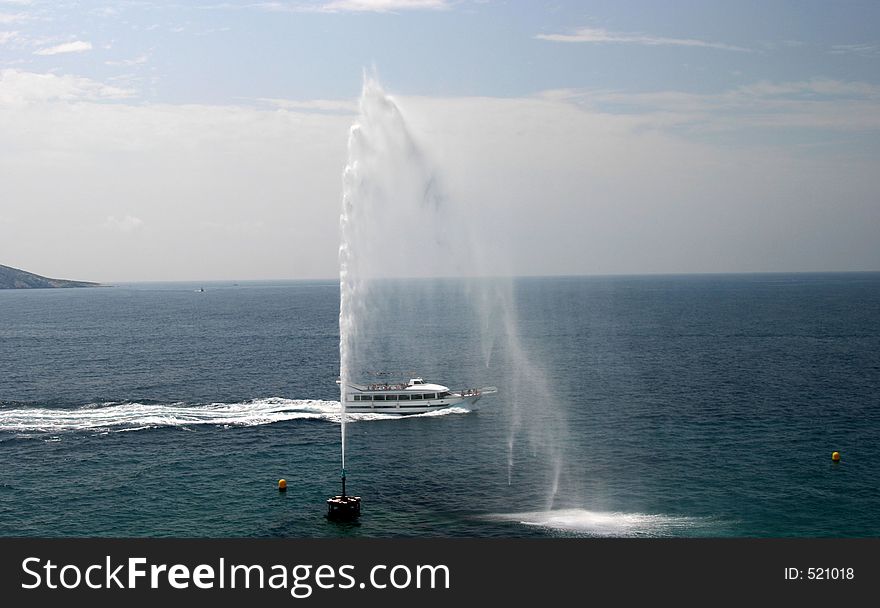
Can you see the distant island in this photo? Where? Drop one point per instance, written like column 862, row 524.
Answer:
column 13, row 278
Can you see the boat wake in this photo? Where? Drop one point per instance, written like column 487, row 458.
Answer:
column 607, row 524
column 131, row 416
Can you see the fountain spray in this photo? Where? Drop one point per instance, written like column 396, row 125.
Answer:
column 397, row 222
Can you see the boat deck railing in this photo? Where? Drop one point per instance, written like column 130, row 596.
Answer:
column 386, row 387
column 403, row 386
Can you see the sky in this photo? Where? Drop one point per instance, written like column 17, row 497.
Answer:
column 205, row 140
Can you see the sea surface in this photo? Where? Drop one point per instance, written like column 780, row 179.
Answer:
column 664, row 406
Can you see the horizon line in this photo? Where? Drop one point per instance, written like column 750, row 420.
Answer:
column 494, row 277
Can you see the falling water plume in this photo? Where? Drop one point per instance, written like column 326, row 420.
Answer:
column 413, row 267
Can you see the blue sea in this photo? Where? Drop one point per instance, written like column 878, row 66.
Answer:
column 700, row 405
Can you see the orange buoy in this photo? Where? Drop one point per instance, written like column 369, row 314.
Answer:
column 835, row 456
column 282, row 485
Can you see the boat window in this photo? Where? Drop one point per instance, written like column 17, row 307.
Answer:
column 403, row 397
column 357, row 398
column 443, row 395
column 415, row 397
column 378, row 397
column 364, row 397
column 431, row 396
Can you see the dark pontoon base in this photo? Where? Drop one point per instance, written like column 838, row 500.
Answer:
column 343, row 508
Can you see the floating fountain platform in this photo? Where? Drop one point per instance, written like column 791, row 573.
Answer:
column 342, row 507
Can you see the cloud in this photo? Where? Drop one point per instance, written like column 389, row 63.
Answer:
column 18, row 87
column 254, row 191
column 350, row 6
column 7, row 36
column 810, row 104
column 647, row 200
column 330, row 106
column 6, row 18
column 268, row 179
column 234, row 228
column 127, row 224
column 139, row 60
column 77, row 46
column 598, row 35
column 865, row 50
column 107, row 11
column 384, row 6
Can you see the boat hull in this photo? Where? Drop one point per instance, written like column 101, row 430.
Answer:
column 403, row 408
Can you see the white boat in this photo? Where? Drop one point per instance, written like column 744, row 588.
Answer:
column 413, row 397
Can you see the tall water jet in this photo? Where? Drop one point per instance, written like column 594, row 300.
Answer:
column 397, row 223
column 387, row 189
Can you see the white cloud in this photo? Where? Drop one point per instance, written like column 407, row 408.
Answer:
column 810, row 104
column 865, row 49
column 596, row 192
column 383, row 6
column 127, row 224
column 234, row 228
column 77, row 46
column 811, row 88
column 7, row 37
column 351, row 6
column 213, row 30
column 18, row 87
column 224, row 191
column 139, row 60
column 6, row 18
column 313, row 105
column 107, row 11
column 598, row 35
column 562, row 184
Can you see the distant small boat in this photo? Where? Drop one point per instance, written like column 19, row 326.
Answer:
column 413, row 397
column 201, row 290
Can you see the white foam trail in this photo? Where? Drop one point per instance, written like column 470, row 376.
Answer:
column 444, row 412
column 611, row 524
column 120, row 417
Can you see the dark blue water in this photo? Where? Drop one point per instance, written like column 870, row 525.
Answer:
column 684, row 406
